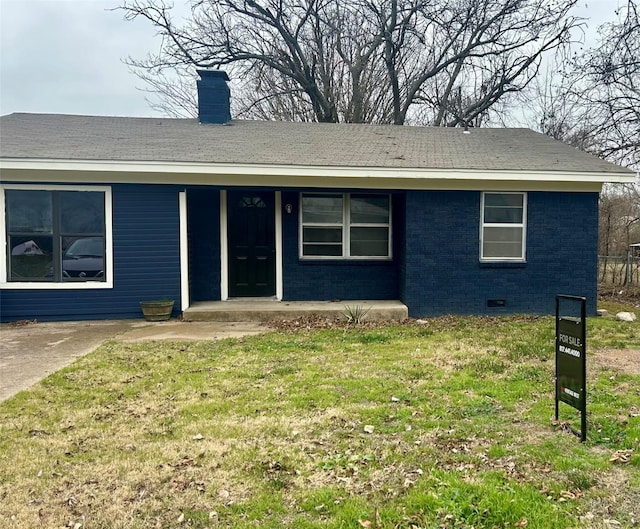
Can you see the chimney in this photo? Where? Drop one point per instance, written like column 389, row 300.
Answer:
column 213, row 97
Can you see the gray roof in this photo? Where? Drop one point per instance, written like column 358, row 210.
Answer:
column 67, row 137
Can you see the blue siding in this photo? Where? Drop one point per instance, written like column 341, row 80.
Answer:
column 435, row 268
column 331, row 280
column 441, row 272
column 146, row 263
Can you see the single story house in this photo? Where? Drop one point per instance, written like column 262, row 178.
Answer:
column 99, row 213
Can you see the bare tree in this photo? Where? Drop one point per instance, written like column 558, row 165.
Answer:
column 440, row 62
column 606, row 81
column 619, row 220
column 594, row 103
column 618, row 228
column 175, row 88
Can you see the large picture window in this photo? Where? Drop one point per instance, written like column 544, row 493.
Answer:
column 345, row 226
column 56, row 235
column 503, row 227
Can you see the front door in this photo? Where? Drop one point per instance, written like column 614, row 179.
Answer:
column 252, row 248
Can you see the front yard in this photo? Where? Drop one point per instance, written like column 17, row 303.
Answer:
column 447, row 424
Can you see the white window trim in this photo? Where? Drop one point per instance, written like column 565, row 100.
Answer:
column 346, row 226
column 523, row 256
column 44, row 285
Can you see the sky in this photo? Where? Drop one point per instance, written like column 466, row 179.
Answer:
column 66, row 56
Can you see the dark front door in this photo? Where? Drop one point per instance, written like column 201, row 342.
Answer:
column 251, row 237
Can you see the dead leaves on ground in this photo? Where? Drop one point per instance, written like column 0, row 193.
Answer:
column 621, row 456
column 376, row 523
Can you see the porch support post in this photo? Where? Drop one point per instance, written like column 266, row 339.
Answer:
column 224, row 249
column 184, row 252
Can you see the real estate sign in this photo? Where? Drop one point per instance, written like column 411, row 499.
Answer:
column 571, row 366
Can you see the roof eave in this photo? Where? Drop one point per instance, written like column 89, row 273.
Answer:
column 50, row 170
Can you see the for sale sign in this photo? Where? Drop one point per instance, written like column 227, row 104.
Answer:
column 570, row 354
column 571, row 366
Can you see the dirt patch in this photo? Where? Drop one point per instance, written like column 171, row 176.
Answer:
column 624, row 360
column 436, row 323
column 615, row 494
column 629, row 295
column 181, row 330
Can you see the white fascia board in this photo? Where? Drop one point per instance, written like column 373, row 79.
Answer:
column 291, row 175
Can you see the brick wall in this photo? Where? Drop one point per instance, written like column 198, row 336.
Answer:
column 335, row 279
column 442, row 274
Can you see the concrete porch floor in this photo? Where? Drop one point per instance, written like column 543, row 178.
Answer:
column 266, row 310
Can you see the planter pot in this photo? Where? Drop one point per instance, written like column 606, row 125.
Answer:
column 157, row 310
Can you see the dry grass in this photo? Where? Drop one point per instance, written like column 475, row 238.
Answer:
column 443, row 425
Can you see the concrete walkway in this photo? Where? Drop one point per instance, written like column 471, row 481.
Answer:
column 31, row 352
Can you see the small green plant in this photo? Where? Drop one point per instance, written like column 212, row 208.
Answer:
column 355, row 315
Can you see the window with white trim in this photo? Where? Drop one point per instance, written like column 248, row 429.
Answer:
column 56, row 235
column 345, row 226
column 503, row 226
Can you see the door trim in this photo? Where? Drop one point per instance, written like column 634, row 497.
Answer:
column 224, row 246
column 278, row 208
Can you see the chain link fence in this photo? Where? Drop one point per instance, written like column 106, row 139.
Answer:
column 619, row 270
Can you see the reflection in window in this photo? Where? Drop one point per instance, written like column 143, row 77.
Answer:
column 83, row 258
column 30, row 211
column 31, row 257
column 251, row 202
column 346, row 225
column 55, row 236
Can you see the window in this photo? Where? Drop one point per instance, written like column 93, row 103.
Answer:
column 345, row 226
column 57, row 235
column 503, row 227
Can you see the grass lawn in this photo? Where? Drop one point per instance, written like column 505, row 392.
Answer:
column 441, row 425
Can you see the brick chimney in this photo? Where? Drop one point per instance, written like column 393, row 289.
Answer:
column 213, row 97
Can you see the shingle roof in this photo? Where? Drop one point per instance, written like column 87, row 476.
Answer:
column 68, row 137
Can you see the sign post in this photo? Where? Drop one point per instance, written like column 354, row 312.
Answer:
column 571, row 358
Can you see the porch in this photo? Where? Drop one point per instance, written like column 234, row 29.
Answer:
column 266, row 310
